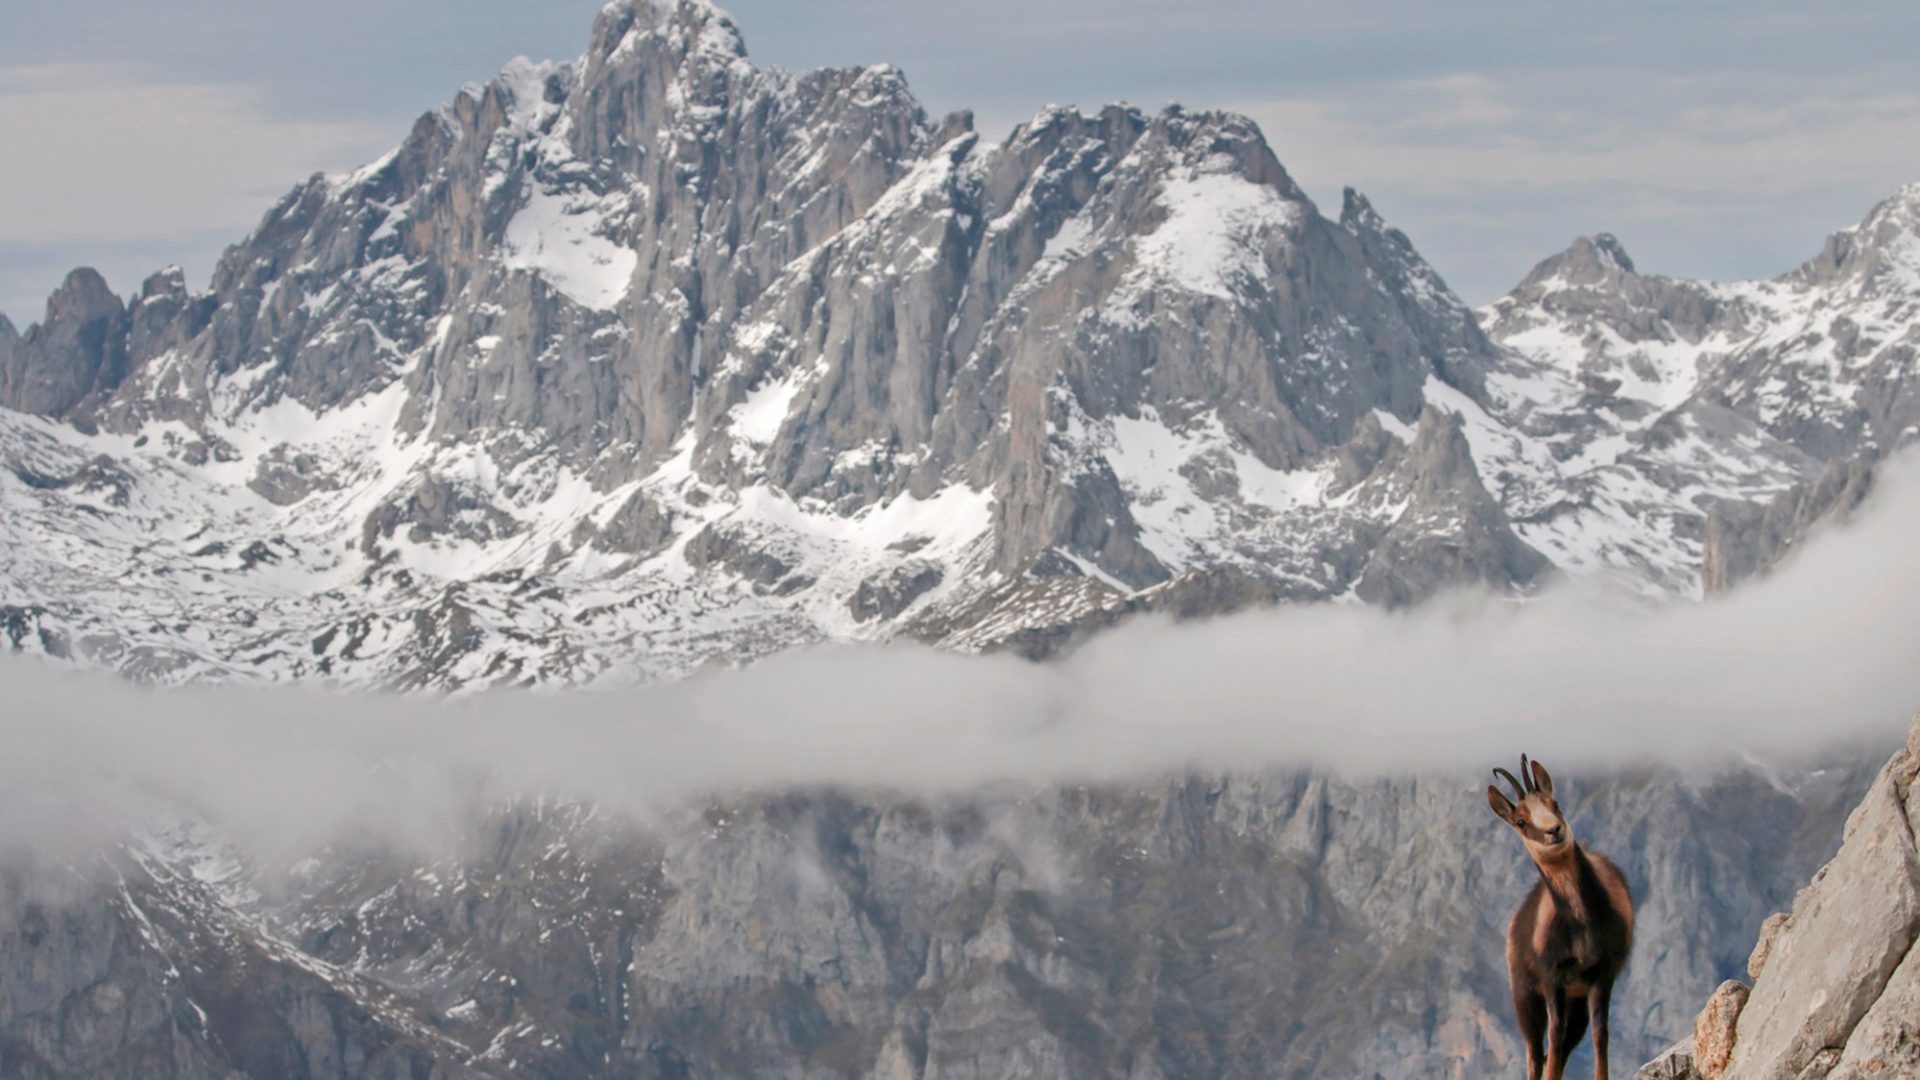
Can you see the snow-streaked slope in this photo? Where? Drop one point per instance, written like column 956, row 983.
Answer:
column 1661, row 402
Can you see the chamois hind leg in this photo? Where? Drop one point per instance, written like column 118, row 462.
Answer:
column 1530, row 1010
column 1601, row 1004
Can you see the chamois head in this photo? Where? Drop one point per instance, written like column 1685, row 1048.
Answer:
column 1532, row 812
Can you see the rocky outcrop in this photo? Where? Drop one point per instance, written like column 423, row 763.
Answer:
column 887, row 594
column 1745, row 540
column 1836, row 990
column 1713, row 1029
column 434, row 509
column 9, row 337
column 75, row 354
column 1451, row 532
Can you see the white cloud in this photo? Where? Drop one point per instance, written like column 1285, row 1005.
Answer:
column 1817, row 656
column 97, row 154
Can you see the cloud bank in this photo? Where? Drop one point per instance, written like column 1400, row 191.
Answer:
column 1816, row 659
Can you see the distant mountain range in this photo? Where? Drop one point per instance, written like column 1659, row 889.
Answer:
column 620, row 366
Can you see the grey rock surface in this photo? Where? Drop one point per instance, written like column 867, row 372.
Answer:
column 1848, row 933
column 120, row 970
column 1451, row 533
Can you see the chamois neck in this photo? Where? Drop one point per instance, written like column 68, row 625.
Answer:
column 1562, row 872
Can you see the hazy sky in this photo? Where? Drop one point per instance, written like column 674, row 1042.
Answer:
column 1810, row 661
column 1717, row 138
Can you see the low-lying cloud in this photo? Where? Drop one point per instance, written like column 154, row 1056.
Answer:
column 1817, row 658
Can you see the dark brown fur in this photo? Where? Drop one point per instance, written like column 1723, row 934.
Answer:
column 1569, row 941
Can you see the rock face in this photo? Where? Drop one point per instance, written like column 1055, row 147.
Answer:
column 1836, row 989
column 151, row 976
column 1270, row 924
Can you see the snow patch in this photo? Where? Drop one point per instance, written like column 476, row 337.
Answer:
column 1209, row 242
column 758, row 418
column 562, row 236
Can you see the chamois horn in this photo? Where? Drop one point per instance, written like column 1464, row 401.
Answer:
column 1519, row 792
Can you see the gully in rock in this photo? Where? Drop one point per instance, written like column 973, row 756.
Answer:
column 1569, row 940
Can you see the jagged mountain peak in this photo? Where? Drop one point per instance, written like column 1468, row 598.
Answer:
column 73, row 355
column 1596, row 260
column 697, row 24
column 1644, row 383
column 1411, row 274
column 9, row 337
column 170, row 280
column 528, row 84
column 681, row 35
column 1606, row 248
column 1881, row 253
column 83, row 295
column 1357, row 212
column 1208, row 140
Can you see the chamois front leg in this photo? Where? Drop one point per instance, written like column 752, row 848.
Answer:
column 1601, row 1005
column 1531, row 1010
column 1556, row 1035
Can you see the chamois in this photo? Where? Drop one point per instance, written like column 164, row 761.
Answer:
column 1569, row 940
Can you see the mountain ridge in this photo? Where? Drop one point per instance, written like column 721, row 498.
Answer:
column 624, row 365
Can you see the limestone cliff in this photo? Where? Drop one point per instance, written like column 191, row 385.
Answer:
column 1836, row 982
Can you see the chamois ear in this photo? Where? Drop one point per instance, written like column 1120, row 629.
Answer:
column 1502, row 806
column 1541, row 781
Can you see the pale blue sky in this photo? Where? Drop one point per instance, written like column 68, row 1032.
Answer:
column 1720, row 139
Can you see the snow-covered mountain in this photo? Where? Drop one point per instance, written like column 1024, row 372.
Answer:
column 624, row 365
column 1690, row 405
